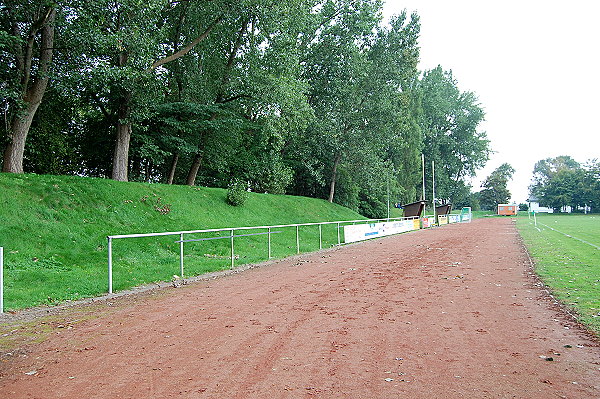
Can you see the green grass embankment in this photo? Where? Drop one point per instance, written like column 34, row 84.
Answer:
column 54, row 229
column 569, row 266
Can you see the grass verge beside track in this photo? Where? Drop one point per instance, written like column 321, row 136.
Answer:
column 53, row 230
column 569, row 266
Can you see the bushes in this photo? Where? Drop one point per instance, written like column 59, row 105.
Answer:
column 236, row 193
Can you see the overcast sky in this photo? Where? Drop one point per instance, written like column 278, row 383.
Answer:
column 533, row 64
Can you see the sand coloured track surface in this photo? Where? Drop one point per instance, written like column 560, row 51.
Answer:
column 451, row 312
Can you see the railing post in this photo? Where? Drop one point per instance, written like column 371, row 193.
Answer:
column 269, row 235
column 110, row 285
column 181, row 256
column 320, row 237
column 1, row 280
column 297, row 239
column 338, row 233
column 232, row 254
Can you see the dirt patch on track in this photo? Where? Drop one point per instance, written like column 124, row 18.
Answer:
column 450, row 312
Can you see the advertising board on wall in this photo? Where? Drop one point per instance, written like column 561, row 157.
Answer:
column 359, row 232
column 417, row 224
column 428, row 222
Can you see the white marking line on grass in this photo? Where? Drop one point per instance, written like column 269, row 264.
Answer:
column 570, row 236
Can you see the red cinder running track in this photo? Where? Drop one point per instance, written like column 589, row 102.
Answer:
column 451, row 312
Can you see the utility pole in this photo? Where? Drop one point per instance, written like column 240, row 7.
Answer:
column 423, row 173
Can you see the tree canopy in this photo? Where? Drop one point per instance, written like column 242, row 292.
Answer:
column 561, row 181
column 494, row 187
column 320, row 98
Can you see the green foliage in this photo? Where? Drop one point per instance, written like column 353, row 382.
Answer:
column 566, row 265
column 561, row 181
column 361, row 76
column 494, row 187
column 237, row 195
column 450, row 121
column 52, row 149
column 276, row 94
column 545, row 169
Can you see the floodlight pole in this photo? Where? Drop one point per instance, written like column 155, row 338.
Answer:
column 423, row 173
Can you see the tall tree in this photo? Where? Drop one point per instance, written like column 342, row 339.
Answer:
column 337, row 71
column 241, row 25
column 591, row 185
column 451, row 121
column 122, row 44
column 27, row 48
column 251, row 73
column 565, row 188
column 544, row 170
column 494, row 187
column 395, row 102
column 561, row 181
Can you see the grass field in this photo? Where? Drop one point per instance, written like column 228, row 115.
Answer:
column 568, row 265
column 53, row 230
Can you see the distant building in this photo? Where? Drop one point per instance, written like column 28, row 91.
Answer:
column 508, row 209
column 534, row 206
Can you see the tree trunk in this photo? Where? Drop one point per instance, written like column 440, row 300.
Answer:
column 19, row 128
column 121, row 152
column 172, row 169
column 32, row 94
column 336, row 162
column 191, row 177
column 193, row 172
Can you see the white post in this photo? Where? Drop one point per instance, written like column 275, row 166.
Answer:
column 534, row 219
column 269, row 234
column 338, row 233
column 232, row 255
column 110, row 285
column 388, row 196
column 320, row 237
column 1, row 280
column 298, row 239
column 181, row 255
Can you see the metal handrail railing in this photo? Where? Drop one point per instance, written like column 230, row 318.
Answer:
column 232, row 235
